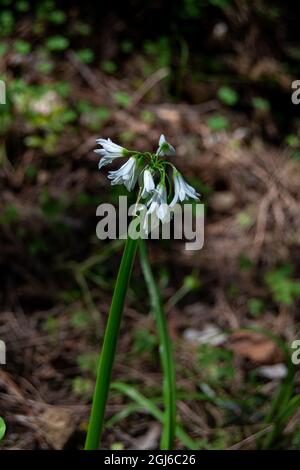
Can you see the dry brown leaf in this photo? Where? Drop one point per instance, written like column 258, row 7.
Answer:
column 255, row 346
column 57, row 425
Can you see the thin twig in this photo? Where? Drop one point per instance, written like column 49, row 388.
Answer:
column 84, row 71
column 151, row 81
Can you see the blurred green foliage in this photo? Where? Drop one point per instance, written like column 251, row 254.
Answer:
column 218, row 123
column 228, row 95
column 42, row 115
column 284, row 288
column 217, row 364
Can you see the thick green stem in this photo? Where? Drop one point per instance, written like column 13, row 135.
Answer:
column 165, row 349
column 109, row 347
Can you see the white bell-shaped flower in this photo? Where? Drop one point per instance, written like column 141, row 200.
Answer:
column 164, row 148
column 109, row 152
column 148, row 183
column 158, row 203
column 182, row 190
column 127, row 174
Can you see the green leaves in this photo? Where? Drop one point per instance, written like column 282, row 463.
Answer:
column 228, row 96
column 92, row 117
column 216, row 364
column 57, row 17
column 22, row 47
column 57, row 43
column 109, row 66
column 282, row 408
column 148, row 405
column 3, row 48
column 7, row 22
column 261, row 104
column 9, row 214
column 122, row 99
column 256, row 307
column 85, row 55
column 218, row 123
column 284, row 289
column 22, row 6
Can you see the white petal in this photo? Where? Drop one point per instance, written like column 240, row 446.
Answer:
column 148, row 181
column 110, row 147
column 161, row 140
column 162, row 211
column 104, row 161
column 101, row 152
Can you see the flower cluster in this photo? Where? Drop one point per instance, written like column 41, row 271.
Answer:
column 151, row 171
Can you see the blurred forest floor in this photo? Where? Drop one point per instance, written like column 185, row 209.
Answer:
column 214, row 77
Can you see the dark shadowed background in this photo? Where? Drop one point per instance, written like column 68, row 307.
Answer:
column 215, row 76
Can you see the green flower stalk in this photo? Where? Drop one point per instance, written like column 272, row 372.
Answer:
column 165, row 351
column 150, row 170
column 2, row 428
column 109, row 347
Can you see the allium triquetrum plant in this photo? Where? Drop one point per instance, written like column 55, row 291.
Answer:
column 160, row 186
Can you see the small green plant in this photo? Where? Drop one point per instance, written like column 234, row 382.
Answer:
column 144, row 341
column 217, row 364
column 109, row 66
column 50, row 205
column 122, row 99
column 82, row 387
column 57, row 17
column 160, row 52
column 22, row 6
column 85, row 55
column 21, row 47
column 83, row 29
column 92, row 117
column 147, row 116
column 127, row 46
column 80, row 319
column 3, row 49
column 261, row 104
column 284, row 405
column 88, row 363
column 7, row 22
column 228, row 96
column 9, row 215
column 256, row 307
column 284, row 288
column 57, row 43
column 293, row 142
column 51, row 325
column 190, row 283
column 245, row 220
column 218, row 123
column 245, row 263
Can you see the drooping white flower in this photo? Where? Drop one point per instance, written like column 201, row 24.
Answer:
column 164, row 148
column 127, row 174
column 148, row 183
column 109, row 152
column 182, row 190
column 158, row 203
